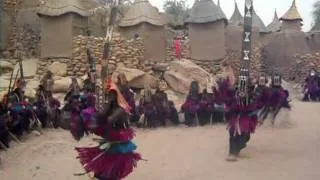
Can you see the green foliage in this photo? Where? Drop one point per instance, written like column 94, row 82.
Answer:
column 316, row 11
column 176, row 10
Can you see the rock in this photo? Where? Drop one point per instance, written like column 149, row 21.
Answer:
column 120, row 65
column 178, row 82
column 6, row 65
column 61, row 85
column 60, row 97
column 189, row 71
column 2, row 93
column 29, row 68
column 145, row 80
column 58, row 69
column 131, row 74
column 31, row 88
column 160, row 67
column 4, row 83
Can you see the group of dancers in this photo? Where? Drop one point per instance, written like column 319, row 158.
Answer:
column 242, row 119
column 19, row 115
column 115, row 157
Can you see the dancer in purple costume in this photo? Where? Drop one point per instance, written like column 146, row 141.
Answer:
column 40, row 107
column 128, row 94
column 263, row 93
column 191, row 105
column 311, row 87
column 19, row 123
column 147, row 109
column 206, row 108
column 75, row 109
column 242, row 121
column 114, row 158
column 222, row 96
column 4, row 134
column 165, row 109
column 278, row 96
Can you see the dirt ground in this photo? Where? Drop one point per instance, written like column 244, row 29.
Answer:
column 287, row 151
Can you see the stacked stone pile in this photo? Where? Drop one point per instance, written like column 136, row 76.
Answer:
column 11, row 4
column 300, row 68
column 210, row 66
column 233, row 58
column 45, row 64
column 128, row 53
column 30, row 42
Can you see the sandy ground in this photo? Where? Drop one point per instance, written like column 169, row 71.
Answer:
column 288, row 151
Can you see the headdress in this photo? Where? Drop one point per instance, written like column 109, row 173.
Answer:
column 162, row 85
column 110, row 86
column 263, row 80
column 276, row 80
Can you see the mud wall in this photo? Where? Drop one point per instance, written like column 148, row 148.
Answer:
column 154, row 40
column 207, row 41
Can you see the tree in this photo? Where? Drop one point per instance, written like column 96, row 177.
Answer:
column 316, row 16
column 177, row 11
column 316, row 11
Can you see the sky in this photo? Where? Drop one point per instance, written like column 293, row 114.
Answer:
column 264, row 8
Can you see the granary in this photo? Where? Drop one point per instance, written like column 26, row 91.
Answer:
column 257, row 24
column 236, row 18
column 206, row 29
column 292, row 20
column 275, row 25
column 144, row 20
column 234, row 30
column 61, row 20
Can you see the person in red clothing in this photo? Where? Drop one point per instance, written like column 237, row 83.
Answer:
column 177, row 47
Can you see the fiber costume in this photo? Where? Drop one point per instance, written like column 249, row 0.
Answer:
column 114, row 158
column 243, row 107
column 191, row 105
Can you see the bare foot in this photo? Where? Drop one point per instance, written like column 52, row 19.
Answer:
column 232, row 158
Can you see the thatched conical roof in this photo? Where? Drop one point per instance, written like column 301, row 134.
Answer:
column 61, row 7
column 206, row 11
column 141, row 11
column 292, row 14
column 258, row 23
column 236, row 18
column 275, row 25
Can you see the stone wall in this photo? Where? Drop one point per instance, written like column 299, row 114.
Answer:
column 19, row 31
column 128, row 53
column 210, row 66
column 233, row 59
column 301, row 66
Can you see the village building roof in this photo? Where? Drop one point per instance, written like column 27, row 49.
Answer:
column 61, row 7
column 292, row 14
column 258, row 23
column 141, row 11
column 206, row 11
column 275, row 25
column 236, row 18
